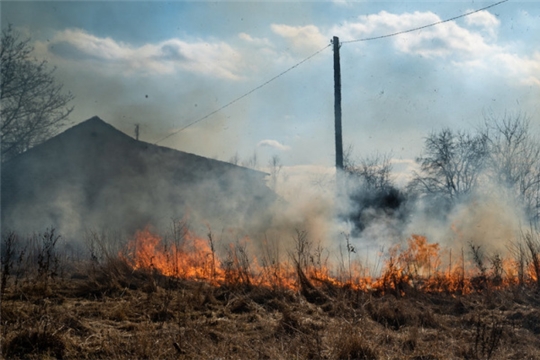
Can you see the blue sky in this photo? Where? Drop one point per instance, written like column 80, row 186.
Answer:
column 164, row 65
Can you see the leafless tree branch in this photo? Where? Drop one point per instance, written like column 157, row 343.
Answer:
column 33, row 104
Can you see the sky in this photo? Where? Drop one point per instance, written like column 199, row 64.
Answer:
column 164, row 65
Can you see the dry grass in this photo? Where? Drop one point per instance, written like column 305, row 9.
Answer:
column 103, row 309
column 114, row 312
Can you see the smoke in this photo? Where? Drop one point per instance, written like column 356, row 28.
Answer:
column 490, row 218
column 307, row 203
column 94, row 177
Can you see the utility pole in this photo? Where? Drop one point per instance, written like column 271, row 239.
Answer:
column 136, row 131
column 337, row 107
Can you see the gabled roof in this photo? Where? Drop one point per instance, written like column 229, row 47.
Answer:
column 95, row 132
column 95, row 171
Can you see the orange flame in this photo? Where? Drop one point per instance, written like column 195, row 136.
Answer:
column 418, row 267
column 190, row 257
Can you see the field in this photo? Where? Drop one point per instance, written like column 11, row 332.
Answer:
column 112, row 307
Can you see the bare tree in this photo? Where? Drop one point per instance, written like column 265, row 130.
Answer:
column 372, row 192
column 252, row 162
column 235, row 159
column 514, row 159
column 374, row 171
column 451, row 165
column 33, row 105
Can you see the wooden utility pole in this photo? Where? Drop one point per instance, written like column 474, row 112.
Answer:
column 337, row 106
column 337, row 110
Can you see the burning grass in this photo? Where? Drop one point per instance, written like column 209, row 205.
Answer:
column 416, row 267
column 154, row 298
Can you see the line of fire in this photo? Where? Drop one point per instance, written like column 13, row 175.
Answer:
column 94, row 177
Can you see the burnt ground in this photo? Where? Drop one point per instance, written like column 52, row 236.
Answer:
column 113, row 312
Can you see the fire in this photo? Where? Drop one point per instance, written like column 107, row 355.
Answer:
column 418, row 266
column 189, row 257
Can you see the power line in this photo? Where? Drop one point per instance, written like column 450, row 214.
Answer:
column 316, row 53
column 425, row 26
column 243, row 96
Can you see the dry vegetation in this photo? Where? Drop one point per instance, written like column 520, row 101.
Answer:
column 101, row 308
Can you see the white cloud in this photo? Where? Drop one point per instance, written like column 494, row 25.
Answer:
column 217, row 59
column 254, row 40
column 273, row 144
column 446, row 40
column 303, row 39
column 443, row 40
column 246, row 37
column 473, row 46
column 482, row 18
column 525, row 68
column 518, row 69
column 486, row 21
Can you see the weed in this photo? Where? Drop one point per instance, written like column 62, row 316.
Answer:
column 119, row 311
column 7, row 258
column 213, row 254
column 390, row 313
column 353, row 346
column 480, row 281
column 237, row 266
column 487, row 339
column 30, row 342
column 533, row 245
column 496, row 270
column 47, row 257
column 519, row 254
column 301, row 255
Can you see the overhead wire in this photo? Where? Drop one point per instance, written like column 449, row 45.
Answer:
column 424, row 26
column 243, row 96
column 316, row 53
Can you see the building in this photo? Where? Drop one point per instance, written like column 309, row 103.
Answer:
column 93, row 176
